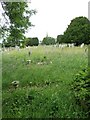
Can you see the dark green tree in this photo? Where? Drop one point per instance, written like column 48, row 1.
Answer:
column 32, row 41
column 19, row 20
column 48, row 40
column 78, row 31
column 59, row 39
column 35, row 41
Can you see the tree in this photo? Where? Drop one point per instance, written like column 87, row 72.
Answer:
column 32, row 41
column 27, row 41
column 78, row 31
column 48, row 41
column 3, row 31
column 59, row 39
column 19, row 20
column 35, row 41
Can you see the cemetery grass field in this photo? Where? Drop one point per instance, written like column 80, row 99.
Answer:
column 45, row 77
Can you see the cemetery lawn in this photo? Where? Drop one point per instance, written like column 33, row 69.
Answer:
column 45, row 78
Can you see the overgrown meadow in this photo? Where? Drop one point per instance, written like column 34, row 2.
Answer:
column 45, row 77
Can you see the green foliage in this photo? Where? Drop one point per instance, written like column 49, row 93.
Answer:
column 48, row 41
column 81, row 87
column 78, row 31
column 3, row 30
column 19, row 17
column 59, row 39
column 32, row 41
column 27, row 41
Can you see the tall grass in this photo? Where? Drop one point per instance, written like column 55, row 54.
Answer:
column 45, row 89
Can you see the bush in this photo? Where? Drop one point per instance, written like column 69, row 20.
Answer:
column 81, row 87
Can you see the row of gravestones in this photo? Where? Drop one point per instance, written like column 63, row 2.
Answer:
column 57, row 45
column 67, row 45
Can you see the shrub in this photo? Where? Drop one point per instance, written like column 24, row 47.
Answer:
column 81, row 86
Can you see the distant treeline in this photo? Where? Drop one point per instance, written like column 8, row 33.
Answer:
column 77, row 32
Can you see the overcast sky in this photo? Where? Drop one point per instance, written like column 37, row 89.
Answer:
column 53, row 16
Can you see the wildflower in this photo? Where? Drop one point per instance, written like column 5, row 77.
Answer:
column 51, row 62
column 28, row 61
column 15, row 84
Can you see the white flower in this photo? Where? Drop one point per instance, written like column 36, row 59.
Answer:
column 51, row 62
column 15, row 84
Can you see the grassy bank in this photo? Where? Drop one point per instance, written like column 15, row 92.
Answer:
column 44, row 83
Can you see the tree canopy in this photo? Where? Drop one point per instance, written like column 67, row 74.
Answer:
column 78, row 31
column 59, row 39
column 32, row 41
column 48, row 40
column 19, row 15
